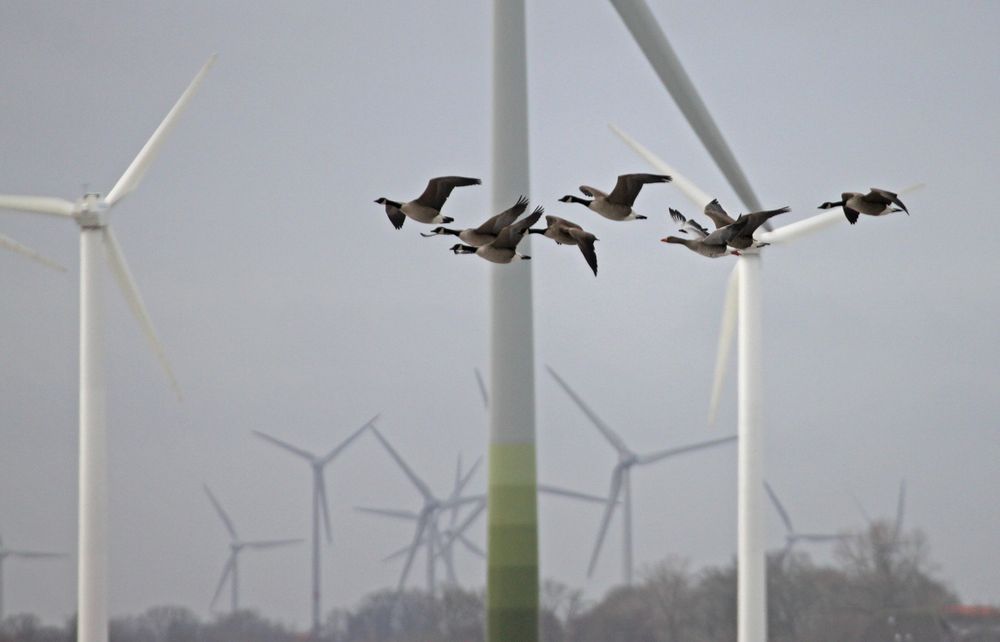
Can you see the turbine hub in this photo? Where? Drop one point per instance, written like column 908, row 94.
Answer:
column 91, row 211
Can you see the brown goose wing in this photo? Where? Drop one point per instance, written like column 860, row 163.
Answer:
column 396, row 216
column 494, row 224
column 438, row 189
column 628, row 186
column 719, row 216
column 585, row 241
column 555, row 221
column 510, row 236
column 887, row 196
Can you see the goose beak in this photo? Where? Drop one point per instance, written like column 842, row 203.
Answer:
column 428, row 235
column 664, row 241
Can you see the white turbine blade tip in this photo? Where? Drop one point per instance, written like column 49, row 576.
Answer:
column 695, row 194
column 805, row 227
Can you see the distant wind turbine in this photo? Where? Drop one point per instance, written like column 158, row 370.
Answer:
column 16, row 553
column 10, row 244
column 97, row 242
column 236, row 546
column 792, row 536
column 897, row 525
column 426, row 531
column 319, row 503
column 621, row 478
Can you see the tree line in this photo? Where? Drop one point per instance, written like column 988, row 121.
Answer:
column 881, row 586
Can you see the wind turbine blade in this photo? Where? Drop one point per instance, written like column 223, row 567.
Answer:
column 34, row 554
column 418, row 534
column 396, row 554
column 562, row 492
column 730, row 307
column 800, row 229
column 482, row 388
column 324, row 506
column 24, row 250
column 455, row 533
column 37, row 204
column 612, row 502
column 698, row 197
column 222, row 513
column 272, row 543
column 861, row 508
column 654, row 44
column 670, row 452
column 605, row 430
column 127, row 284
column 912, row 188
column 347, row 442
column 387, row 512
column 461, row 501
column 419, row 483
column 897, row 528
column 467, row 543
column 308, row 456
column 780, row 508
column 468, row 475
column 818, row 538
column 226, row 571
column 130, row 179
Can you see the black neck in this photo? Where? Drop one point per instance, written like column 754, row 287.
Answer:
column 577, row 199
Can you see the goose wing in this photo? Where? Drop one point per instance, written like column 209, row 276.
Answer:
column 687, row 224
column 494, row 224
column 628, row 186
column 510, row 236
column 585, row 241
column 438, row 189
column 592, row 192
column 396, row 216
column 753, row 220
column 555, row 221
column 719, row 216
column 887, row 197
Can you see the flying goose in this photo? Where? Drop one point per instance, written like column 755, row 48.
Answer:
column 617, row 205
column 488, row 231
column 566, row 232
column 426, row 208
column 711, row 245
column 736, row 234
column 503, row 249
column 876, row 202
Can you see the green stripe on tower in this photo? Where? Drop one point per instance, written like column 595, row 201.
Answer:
column 512, row 585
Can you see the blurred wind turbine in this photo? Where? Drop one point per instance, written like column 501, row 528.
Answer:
column 97, row 241
column 12, row 553
column 231, row 570
column 426, row 532
column 792, row 536
column 319, row 503
column 621, row 478
column 742, row 301
column 897, row 525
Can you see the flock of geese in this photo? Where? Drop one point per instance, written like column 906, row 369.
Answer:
column 496, row 240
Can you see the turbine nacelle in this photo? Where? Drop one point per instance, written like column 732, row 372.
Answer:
column 91, row 211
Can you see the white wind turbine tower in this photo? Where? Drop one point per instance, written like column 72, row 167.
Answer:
column 621, row 479
column 319, row 503
column 742, row 308
column 97, row 241
column 16, row 553
column 236, row 546
column 426, row 532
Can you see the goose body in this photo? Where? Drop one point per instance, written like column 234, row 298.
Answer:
column 702, row 246
column 617, row 205
column 488, row 231
column 426, row 208
column 737, row 234
column 877, row 202
column 503, row 249
column 565, row 232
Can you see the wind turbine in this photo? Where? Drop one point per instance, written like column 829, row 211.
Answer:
column 897, row 525
column 792, row 536
column 236, row 546
column 621, row 478
column 319, row 503
column 742, row 299
column 97, row 241
column 14, row 553
column 443, row 548
column 426, row 530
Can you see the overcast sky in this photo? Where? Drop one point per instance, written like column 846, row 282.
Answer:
column 288, row 304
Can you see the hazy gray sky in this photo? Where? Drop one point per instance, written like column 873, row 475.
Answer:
column 288, row 304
